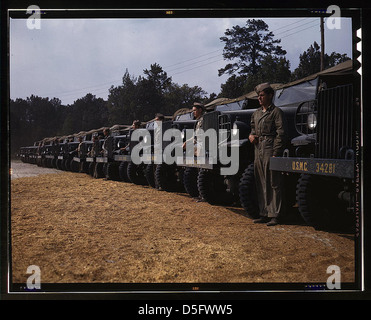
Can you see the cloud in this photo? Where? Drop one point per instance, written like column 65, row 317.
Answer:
column 67, row 58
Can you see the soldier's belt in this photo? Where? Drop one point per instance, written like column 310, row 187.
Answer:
column 261, row 138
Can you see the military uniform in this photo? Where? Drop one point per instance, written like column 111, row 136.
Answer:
column 79, row 149
column 197, row 133
column 270, row 128
column 107, row 146
column 95, row 149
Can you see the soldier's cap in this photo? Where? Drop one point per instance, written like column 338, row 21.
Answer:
column 198, row 104
column 262, row 86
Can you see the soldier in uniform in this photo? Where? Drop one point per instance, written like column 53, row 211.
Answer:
column 159, row 117
column 95, row 147
column 268, row 134
column 107, row 146
column 135, row 125
column 78, row 149
column 198, row 112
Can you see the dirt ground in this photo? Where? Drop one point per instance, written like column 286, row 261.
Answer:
column 78, row 229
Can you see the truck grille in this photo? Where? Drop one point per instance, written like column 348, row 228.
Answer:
column 225, row 123
column 335, row 122
column 210, row 120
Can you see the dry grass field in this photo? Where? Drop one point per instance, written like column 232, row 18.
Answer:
column 78, row 229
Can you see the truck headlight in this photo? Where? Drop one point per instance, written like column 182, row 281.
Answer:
column 234, row 129
column 312, row 121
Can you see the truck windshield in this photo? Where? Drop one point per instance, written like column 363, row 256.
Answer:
column 230, row 106
column 304, row 91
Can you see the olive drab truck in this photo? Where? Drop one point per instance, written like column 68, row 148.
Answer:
column 229, row 119
column 170, row 176
column 324, row 157
column 119, row 139
column 142, row 173
column 95, row 169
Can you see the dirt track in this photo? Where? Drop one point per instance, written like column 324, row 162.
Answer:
column 80, row 229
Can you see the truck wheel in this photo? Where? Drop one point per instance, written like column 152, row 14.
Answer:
column 312, row 204
column 166, row 177
column 123, row 171
column 212, row 188
column 48, row 163
column 149, row 173
column 63, row 165
column 190, row 181
column 91, row 168
column 247, row 191
column 66, row 164
column 59, row 164
column 319, row 206
column 136, row 174
column 85, row 167
column 112, row 171
column 74, row 166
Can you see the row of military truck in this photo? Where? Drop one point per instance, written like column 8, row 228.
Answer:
column 321, row 164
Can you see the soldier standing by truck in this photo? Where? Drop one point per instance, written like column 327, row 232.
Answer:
column 268, row 134
column 107, row 144
column 198, row 111
column 95, row 147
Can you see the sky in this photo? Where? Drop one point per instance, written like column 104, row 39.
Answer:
column 68, row 58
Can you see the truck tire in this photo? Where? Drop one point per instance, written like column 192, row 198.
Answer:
column 91, row 168
column 123, row 171
column 190, row 181
column 149, row 173
column 112, row 171
column 136, row 174
column 98, row 170
column 48, row 163
column 59, row 164
column 166, row 178
column 212, row 188
column 74, row 166
column 54, row 163
column 66, row 164
column 85, row 167
column 319, row 206
column 247, row 191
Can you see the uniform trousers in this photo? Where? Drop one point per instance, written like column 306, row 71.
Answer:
column 269, row 183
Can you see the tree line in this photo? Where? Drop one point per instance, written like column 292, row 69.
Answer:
column 254, row 57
